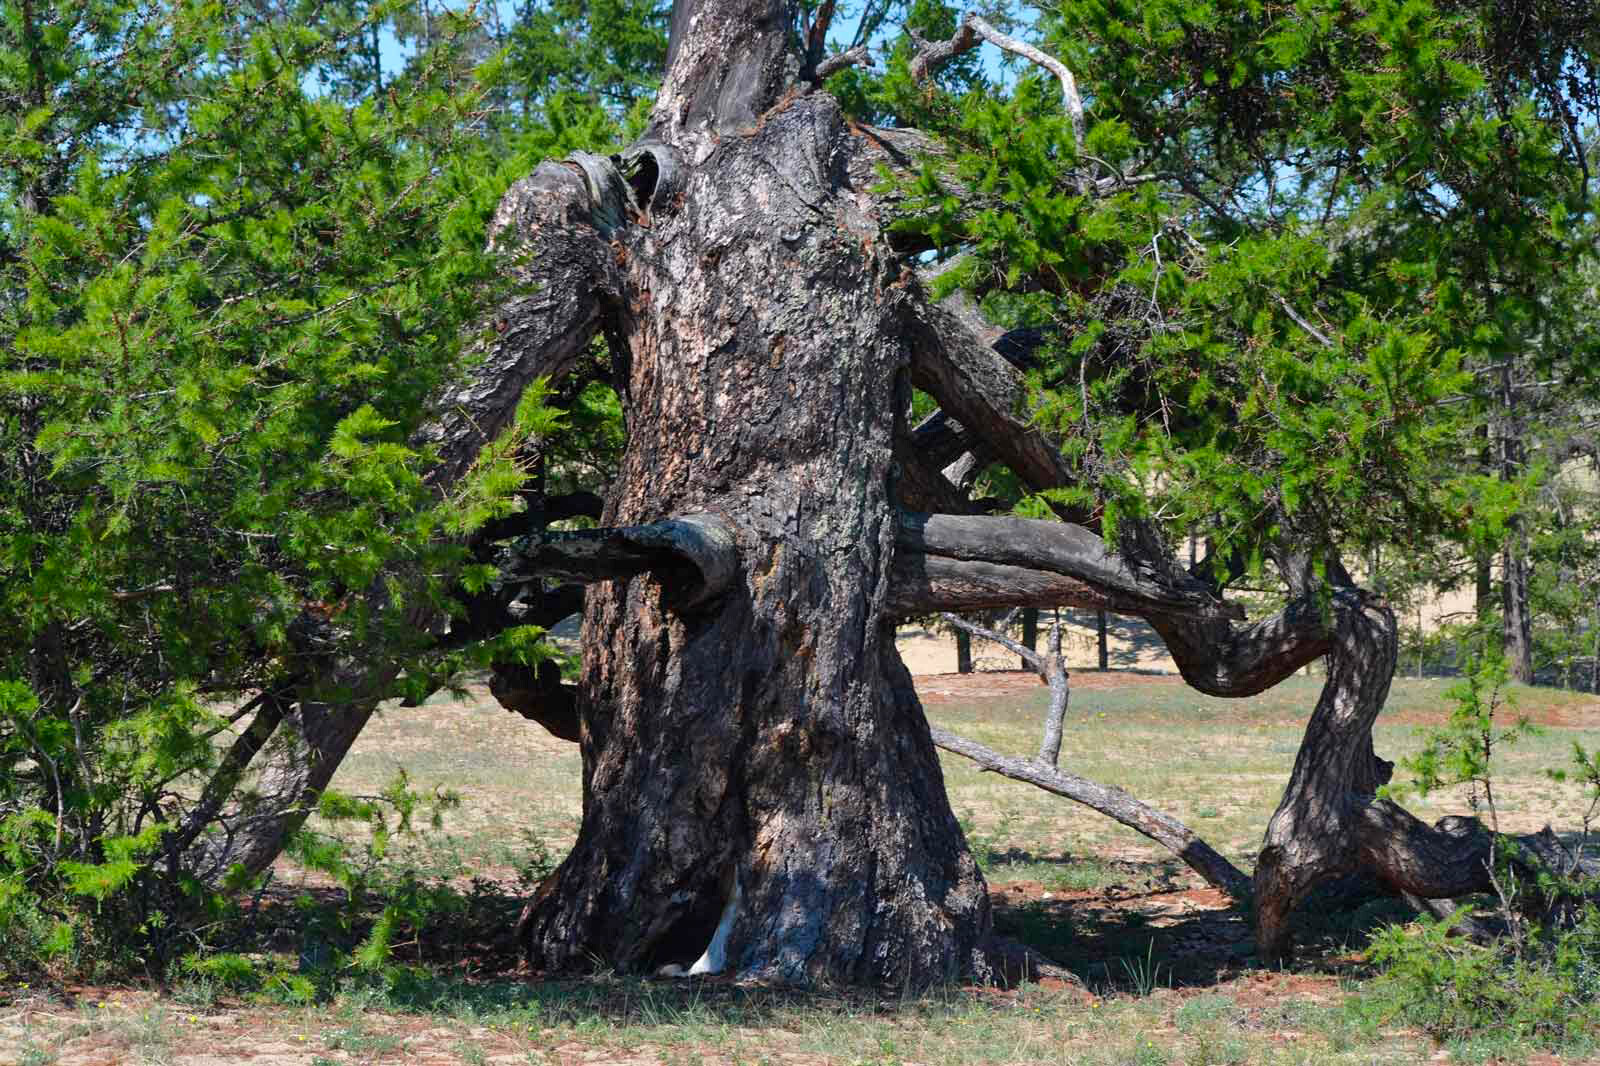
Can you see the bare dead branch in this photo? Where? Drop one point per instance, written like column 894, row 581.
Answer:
column 931, row 55
column 975, row 547
column 1316, row 334
column 920, row 484
column 1027, row 654
column 858, row 56
column 1053, row 668
column 700, row 546
column 1112, row 802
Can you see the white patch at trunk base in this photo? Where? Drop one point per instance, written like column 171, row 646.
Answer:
column 715, row 959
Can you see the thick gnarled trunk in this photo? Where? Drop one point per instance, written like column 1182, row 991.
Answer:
column 765, row 747
column 1314, row 834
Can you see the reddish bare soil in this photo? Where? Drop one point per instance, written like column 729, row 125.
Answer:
column 934, row 689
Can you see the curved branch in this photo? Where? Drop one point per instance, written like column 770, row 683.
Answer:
column 958, row 561
column 1234, row 661
column 697, row 551
column 852, row 57
column 973, row 28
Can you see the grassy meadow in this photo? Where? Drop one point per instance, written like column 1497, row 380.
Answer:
column 1165, row 970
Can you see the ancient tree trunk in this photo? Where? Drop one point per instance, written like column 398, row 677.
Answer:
column 757, row 766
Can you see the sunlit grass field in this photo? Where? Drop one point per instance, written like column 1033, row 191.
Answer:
column 1218, row 765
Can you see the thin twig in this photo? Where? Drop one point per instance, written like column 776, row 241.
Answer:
column 1027, row 654
column 1316, row 334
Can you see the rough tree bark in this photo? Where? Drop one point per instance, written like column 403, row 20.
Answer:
column 764, row 750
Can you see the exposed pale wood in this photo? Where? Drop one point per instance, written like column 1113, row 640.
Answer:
column 852, row 57
column 1113, row 802
column 974, row 28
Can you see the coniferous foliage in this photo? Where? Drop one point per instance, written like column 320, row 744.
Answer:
column 232, row 276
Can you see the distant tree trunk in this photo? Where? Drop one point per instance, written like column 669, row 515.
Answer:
column 963, row 652
column 1516, row 613
column 1421, row 643
column 1516, row 620
column 1030, row 634
column 1594, row 662
column 1100, row 639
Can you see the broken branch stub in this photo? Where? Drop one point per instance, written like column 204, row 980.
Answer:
column 696, row 555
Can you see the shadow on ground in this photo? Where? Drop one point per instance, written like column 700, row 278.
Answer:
column 1148, row 931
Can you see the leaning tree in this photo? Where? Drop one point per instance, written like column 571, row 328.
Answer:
column 756, row 766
